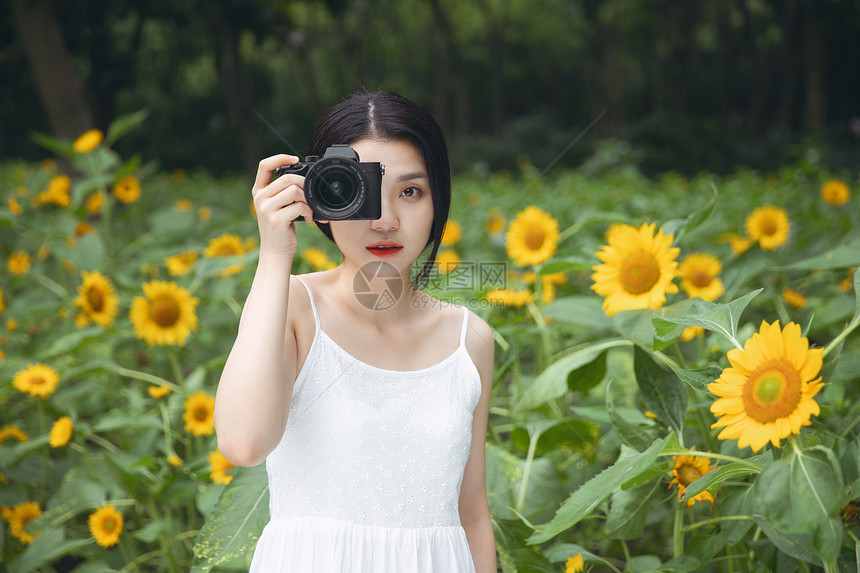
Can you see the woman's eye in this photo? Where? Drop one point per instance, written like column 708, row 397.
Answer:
column 411, row 192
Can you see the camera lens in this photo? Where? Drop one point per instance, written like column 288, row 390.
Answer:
column 335, row 189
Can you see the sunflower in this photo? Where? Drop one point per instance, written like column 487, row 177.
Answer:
column 637, row 270
column 94, row 203
column 495, row 223
column 199, row 414
column 36, row 380
column 58, row 192
column 18, row 263
column 219, row 466
column 165, row 314
column 769, row 226
column 847, row 284
column 574, row 564
column 83, row 228
column 226, row 245
column 687, row 470
column 174, row 460
column 13, row 432
column 105, row 524
column 2, row 302
column 158, row 391
column 793, row 298
column 61, row 432
column 181, row 263
column 97, row 298
column 447, row 261
column 451, row 234
column 510, row 297
column 317, row 259
column 18, row 516
column 88, row 141
column 548, row 283
column 532, row 237
column 835, row 192
column 768, row 391
column 182, row 205
column 127, row 189
column 14, row 206
column 204, row 214
column 692, row 332
column 699, row 276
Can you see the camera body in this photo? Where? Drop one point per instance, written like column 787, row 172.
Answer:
column 338, row 186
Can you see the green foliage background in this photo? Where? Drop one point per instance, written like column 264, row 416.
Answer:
column 573, row 463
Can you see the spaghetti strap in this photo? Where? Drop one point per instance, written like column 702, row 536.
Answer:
column 465, row 326
column 311, row 297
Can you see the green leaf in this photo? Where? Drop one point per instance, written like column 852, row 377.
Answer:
column 634, row 435
column 564, row 266
column 802, row 494
column 697, row 379
column 566, row 433
column 699, row 216
column 660, row 392
column 580, row 310
column 233, row 528
column 49, row 545
column 711, row 481
column 60, row 146
column 68, row 343
column 552, row 382
column 124, row 124
column 592, row 493
column 628, row 510
column 846, row 254
column 588, row 376
column 80, row 491
column 720, row 318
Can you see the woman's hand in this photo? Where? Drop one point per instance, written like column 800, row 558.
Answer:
column 278, row 203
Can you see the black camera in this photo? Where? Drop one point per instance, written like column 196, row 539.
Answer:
column 338, row 186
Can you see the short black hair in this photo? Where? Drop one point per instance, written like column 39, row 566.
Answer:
column 388, row 115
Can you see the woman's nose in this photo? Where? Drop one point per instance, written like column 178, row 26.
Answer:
column 388, row 220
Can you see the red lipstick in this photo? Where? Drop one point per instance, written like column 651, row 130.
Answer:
column 384, row 248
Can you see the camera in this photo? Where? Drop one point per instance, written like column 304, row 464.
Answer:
column 338, row 186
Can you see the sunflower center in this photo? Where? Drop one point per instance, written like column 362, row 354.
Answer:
column 768, row 226
column 165, row 312
column 639, row 272
column 109, row 525
column 687, row 474
column 96, row 299
column 201, row 414
column 37, row 381
column 534, row 239
column 700, row 278
column 772, row 391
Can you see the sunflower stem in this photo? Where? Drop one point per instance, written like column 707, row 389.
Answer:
column 686, row 452
column 714, row 520
column 842, row 335
column 174, row 365
column 627, row 557
column 678, row 532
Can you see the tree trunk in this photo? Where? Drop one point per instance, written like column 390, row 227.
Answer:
column 59, row 86
column 233, row 87
column 814, row 108
column 461, row 92
column 787, row 65
column 758, row 81
column 496, row 48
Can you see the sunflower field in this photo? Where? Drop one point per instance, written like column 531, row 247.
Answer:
column 676, row 360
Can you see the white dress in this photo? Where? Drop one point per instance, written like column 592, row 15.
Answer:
column 367, row 475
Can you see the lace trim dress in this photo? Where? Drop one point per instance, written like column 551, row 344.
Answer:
column 367, row 475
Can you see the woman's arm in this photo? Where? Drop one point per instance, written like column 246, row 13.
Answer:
column 253, row 395
column 474, row 509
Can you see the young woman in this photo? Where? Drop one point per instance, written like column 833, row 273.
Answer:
column 371, row 417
